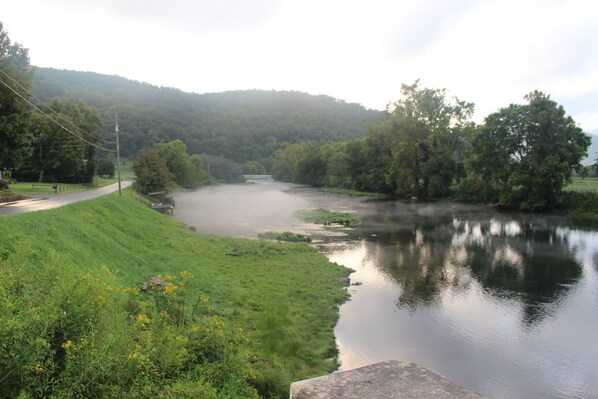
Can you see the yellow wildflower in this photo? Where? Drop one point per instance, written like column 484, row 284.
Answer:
column 185, row 275
column 170, row 288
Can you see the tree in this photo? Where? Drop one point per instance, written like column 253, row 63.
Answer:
column 222, row 169
column 529, row 152
column 59, row 154
column 187, row 172
column 151, row 172
column 15, row 80
column 253, row 168
column 106, row 167
column 421, row 142
column 286, row 162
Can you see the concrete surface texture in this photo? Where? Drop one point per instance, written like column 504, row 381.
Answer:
column 390, row 379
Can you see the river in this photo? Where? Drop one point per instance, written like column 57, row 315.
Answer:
column 503, row 304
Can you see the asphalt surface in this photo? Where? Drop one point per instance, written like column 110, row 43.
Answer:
column 49, row 201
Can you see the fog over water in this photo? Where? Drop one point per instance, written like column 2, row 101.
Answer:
column 506, row 305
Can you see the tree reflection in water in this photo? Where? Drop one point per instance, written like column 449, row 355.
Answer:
column 526, row 261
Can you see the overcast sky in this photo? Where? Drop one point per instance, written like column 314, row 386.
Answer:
column 489, row 52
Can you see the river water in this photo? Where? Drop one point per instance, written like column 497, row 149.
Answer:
column 504, row 304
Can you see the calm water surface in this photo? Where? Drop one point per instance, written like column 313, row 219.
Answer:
column 506, row 305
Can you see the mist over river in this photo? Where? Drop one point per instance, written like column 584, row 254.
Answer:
column 504, row 304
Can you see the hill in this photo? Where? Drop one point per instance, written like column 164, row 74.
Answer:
column 239, row 125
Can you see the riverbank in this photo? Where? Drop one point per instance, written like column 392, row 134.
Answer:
column 284, row 297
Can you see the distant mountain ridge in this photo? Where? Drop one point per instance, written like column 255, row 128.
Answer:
column 239, row 125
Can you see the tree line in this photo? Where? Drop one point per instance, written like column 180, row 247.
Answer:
column 241, row 126
column 427, row 146
column 424, row 145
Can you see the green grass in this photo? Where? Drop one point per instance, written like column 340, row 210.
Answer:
column 323, row 216
column 284, row 236
column 583, row 185
column 350, row 192
column 33, row 188
column 284, row 296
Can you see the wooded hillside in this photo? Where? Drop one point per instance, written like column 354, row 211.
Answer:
column 239, row 125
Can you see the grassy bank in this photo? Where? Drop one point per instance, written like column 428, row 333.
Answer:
column 261, row 314
column 325, row 217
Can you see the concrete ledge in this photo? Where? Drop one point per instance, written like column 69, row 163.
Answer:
column 390, row 379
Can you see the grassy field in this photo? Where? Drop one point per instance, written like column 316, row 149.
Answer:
column 33, row 188
column 583, row 185
column 283, row 296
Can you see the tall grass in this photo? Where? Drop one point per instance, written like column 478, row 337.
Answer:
column 276, row 302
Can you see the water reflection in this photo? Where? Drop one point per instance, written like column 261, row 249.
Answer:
column 503, row 304
column 527, row 261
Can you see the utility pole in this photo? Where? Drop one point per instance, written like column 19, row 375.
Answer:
column 117, row 152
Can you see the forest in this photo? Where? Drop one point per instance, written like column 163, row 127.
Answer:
column 239, row 125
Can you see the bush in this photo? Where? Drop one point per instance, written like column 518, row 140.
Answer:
column 151, row 172
column 106, row 168
column 65, row 333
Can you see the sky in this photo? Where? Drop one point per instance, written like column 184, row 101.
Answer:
column 489, row 52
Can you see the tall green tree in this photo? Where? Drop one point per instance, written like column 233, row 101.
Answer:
column 187, row 171
column 292, row 164
column 59, row 154
column 426, row 134
column 528, row 152
column 151, row 172
column 15, row 80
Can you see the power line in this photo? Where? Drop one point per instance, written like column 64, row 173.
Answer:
column 48, row 107
column 54, row 120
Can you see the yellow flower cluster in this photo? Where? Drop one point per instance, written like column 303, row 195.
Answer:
column 71, row 346
column 38, row 368
column 169, row 288
column 185, row 275
column 138, row 357
column 144, row 320
column 203, row 298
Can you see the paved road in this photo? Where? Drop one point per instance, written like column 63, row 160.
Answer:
column 42, row 202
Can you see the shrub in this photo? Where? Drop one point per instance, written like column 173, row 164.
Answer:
column 67, row 333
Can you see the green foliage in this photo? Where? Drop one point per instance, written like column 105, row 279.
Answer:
column 69, row 333
column 528, row 152
column 425, row 133
column 581, row 204
column 283, row 296
column 284, row 236
column 298, row 163
column 240, row 125
column 15, row 142
column 59, row 155
column 187, row 170
column 222, row 169
column 323, row 216
column 106, row 167
column 253, row 168
column 151, row 172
